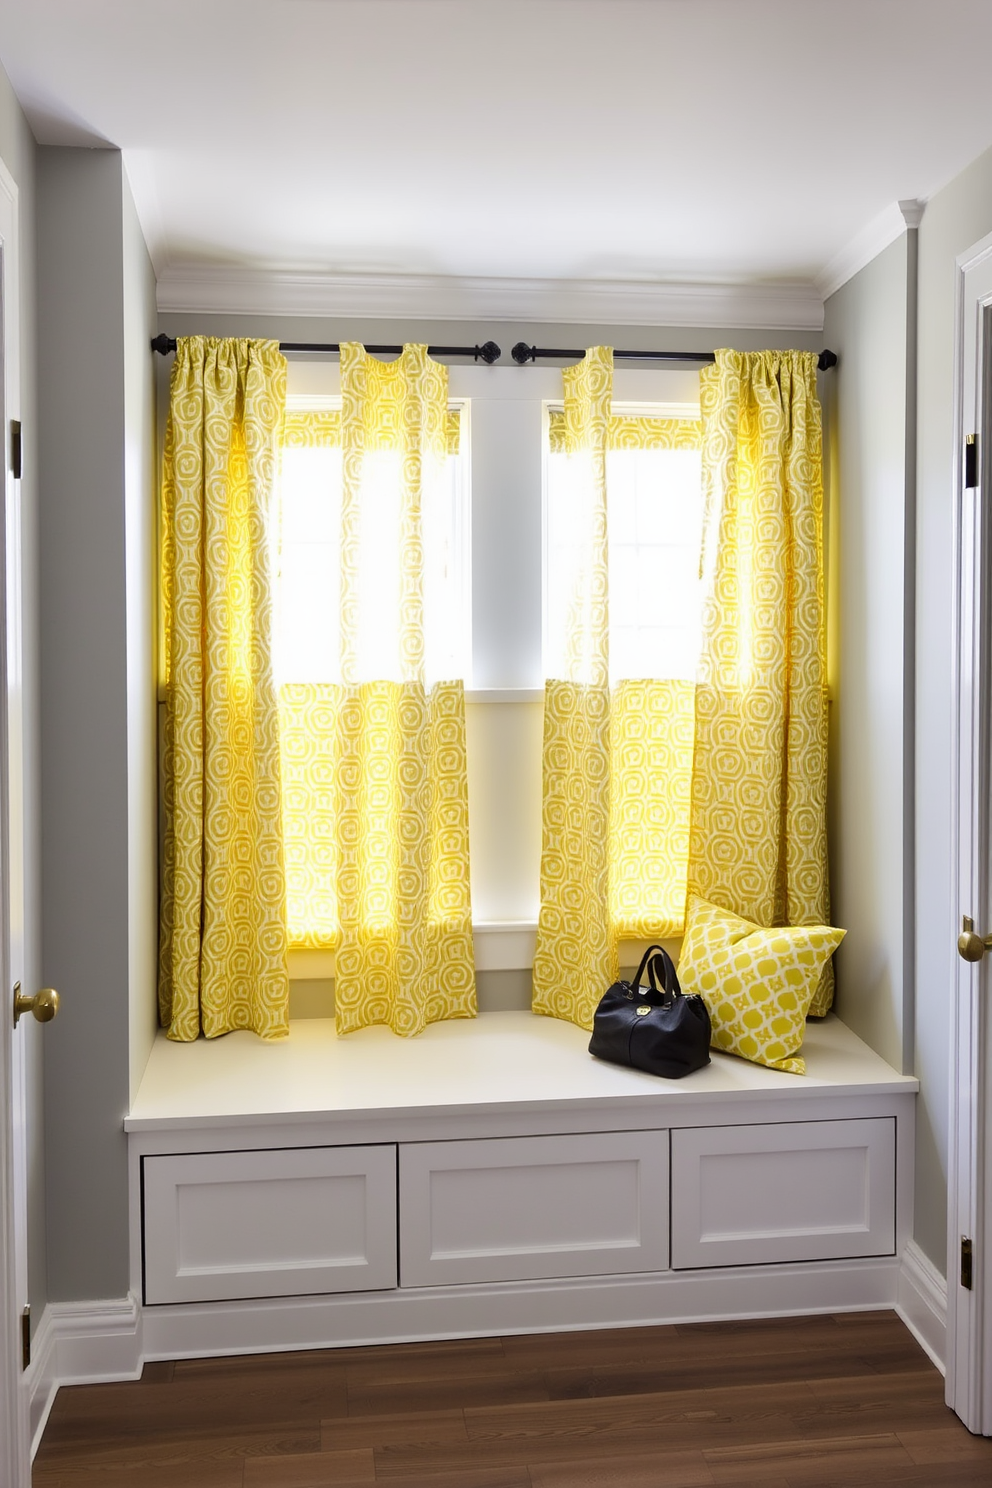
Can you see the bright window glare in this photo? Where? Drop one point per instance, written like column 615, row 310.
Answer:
column 654, row 527
column 307, row 636
column 307, row 633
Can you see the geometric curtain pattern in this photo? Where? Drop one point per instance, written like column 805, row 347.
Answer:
column 222, row 962
column 375, row 793
column 651, row 745
column 617, row 764
column 629, row 432
column 758, row 817
column 576, row 958
column 311, row 427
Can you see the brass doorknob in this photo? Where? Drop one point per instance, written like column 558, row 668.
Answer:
column 972, row 947
column 44, row 1004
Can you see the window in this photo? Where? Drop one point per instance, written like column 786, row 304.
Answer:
column 655, row 518
column 308, row 567
column 500, row 546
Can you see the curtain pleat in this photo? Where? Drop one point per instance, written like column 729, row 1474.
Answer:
column 758, row 841
column 404, row 951
column 576, row 954
column 222, row 940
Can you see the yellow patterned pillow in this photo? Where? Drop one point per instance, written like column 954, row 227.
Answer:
column 757, row 984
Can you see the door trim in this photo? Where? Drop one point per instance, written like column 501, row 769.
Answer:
column 969, row 1351
column 14, row 1447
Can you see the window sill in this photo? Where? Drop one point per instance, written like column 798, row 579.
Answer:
column 500, row 945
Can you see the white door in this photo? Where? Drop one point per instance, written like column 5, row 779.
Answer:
column 14, row 1465
column 969, row 1270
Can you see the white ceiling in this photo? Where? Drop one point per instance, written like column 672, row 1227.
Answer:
column 742, row 141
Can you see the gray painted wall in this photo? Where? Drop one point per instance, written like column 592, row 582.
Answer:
column 869, row 324
column 865, row 323
column 140, row 555
column 93, row 295
column 18, row 152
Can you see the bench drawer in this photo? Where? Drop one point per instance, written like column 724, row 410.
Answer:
column 523, row 1208
column 224, row 1225
column 790, row 1191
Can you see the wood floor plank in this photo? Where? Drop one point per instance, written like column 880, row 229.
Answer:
column 412, row 1430
column 396, row 1363
column 736, row 1404
column 158, row 1372
column 820, row 1461
column 507, row 1387
column 485, row 1477
column 311, row 1470
column 948, row 1442
column 683, row 1372
column 563, row 1430
column 653, row 1470
column 141, row 1452
column 227, row 1473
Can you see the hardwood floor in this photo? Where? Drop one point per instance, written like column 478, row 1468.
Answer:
column 840, row 1400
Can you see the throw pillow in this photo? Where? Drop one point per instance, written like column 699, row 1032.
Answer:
column 756, row 983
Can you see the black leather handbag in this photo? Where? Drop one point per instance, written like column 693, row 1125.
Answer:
column 653, row 1028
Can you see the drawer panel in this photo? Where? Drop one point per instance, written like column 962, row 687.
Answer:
column 791, row 1191
column 221, row 1225
column 531, row 1207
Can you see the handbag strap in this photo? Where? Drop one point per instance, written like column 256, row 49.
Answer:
column 662, row 964
column 656, row 961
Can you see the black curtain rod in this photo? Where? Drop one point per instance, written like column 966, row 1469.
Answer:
column 488, row 353
column 522, row 353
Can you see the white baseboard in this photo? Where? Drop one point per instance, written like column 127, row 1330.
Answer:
column 422, row 1313
column 922, row 1303
column 81, row 1343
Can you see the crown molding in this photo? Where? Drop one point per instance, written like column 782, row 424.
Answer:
column 865, row 245
column 199, row 289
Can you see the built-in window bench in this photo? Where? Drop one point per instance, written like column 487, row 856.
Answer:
column 491, row 1177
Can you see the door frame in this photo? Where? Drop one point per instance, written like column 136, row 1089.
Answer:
column 969, row 1208
column 14, row 1433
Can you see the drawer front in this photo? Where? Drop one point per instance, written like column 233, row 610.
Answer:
column 795, row 1191
column 224, row 1225
column 529, row 1207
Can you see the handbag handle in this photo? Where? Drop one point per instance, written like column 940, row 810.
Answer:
column 654, row 956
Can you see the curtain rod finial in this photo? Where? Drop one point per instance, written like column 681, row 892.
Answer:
column 163, row 344
column 826, row 360
column 489, row 353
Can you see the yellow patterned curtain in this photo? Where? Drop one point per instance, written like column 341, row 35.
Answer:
column 576, row 955
column 758, row 831
column 223, row 938
column 374, row 764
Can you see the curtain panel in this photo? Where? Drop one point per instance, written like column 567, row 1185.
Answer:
column 576, row 953
column 657, row 786
column 222, row 963
column 758, row 842
column 617, row 755
column 374, row 759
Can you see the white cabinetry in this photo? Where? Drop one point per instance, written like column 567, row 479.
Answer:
column 491, row 1177
column 269, row 1224
column 798, row 1191
column 531, row 1207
